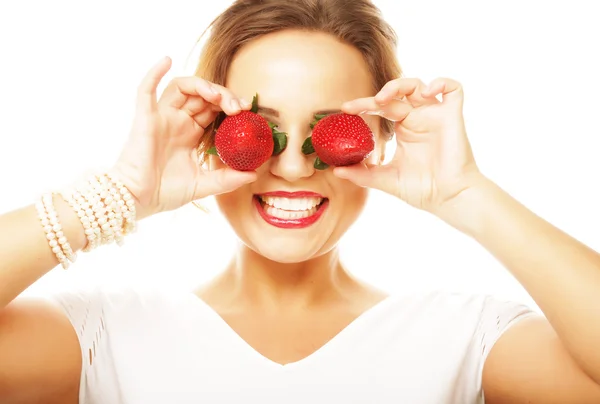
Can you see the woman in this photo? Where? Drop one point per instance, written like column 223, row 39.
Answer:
column 285, row 322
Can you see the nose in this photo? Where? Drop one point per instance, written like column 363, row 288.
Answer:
column 292, row 165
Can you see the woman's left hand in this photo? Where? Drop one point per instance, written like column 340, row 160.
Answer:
column 433, row 162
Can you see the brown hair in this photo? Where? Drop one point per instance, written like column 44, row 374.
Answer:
column 356, row 22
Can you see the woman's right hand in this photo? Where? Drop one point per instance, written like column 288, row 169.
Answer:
column 159, row 163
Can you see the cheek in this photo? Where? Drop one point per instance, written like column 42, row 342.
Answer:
column 358, row 198
column 226, row 206
column 348, row 210
column 351, row 199
column 228, row 203
column 234, row 205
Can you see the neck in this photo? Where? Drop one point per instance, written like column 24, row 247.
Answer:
column 259, row 281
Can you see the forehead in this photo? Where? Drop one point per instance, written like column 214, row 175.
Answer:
column 300, row 70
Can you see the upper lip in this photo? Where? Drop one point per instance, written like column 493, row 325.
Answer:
column 293, row 194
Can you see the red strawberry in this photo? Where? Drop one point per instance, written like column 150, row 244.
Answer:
column 246, row 141
column 339, row 140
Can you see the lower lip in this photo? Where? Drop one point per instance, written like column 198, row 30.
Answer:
column 290, row 223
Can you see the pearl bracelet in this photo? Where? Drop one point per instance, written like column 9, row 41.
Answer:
column 105, row 208
column 56, row 238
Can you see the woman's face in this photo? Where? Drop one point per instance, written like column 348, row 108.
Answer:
column 293, row 212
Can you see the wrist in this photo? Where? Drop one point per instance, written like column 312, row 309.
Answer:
column 469, row 210
column 122, row 177
column 121, row 174
column 74, row 231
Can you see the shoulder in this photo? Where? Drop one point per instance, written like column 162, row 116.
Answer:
column 122, row 306
column 446, row 302
column 111, row 321
column 118, row 298
column 443, row 302
column 92, row 310
column 481, row 317
column 445, row 333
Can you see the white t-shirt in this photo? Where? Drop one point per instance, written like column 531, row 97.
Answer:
column 147, row 347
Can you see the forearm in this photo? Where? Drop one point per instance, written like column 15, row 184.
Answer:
column 561, row 274
column 25, row 255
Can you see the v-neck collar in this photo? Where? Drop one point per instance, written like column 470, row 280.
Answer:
column 337, row 339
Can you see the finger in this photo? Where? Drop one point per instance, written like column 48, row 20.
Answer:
column 360, row 106
column 222, row 180
column 194, row 105
column 383, row 178
column 403, row 87
column 146, row 94
column 395, row 111
column 231, row 104
column 181, row 88
column 205, row 118
column 450, row 90
column 409, row 88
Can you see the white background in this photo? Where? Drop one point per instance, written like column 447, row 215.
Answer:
column 69, row 70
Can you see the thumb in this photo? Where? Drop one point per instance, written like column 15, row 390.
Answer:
column 383, row 178
column 221, row 181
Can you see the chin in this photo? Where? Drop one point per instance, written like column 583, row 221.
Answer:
column 287, row 249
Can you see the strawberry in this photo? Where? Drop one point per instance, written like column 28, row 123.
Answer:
column 339, row 140
column 245, row 141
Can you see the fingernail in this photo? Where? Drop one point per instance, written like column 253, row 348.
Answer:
column 244, row 103
column 235, row 104
column 162, row 60
column 213, row 89
column 378, row 113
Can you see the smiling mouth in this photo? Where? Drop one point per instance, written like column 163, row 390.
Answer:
column 290, row 213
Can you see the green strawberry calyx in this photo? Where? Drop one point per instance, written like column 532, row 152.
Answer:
column 254, row 104
column 279, row 139
column 308, row 148
column 317, row 117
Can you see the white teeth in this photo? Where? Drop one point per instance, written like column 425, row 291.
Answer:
column 293, row 205
column 287, row 215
